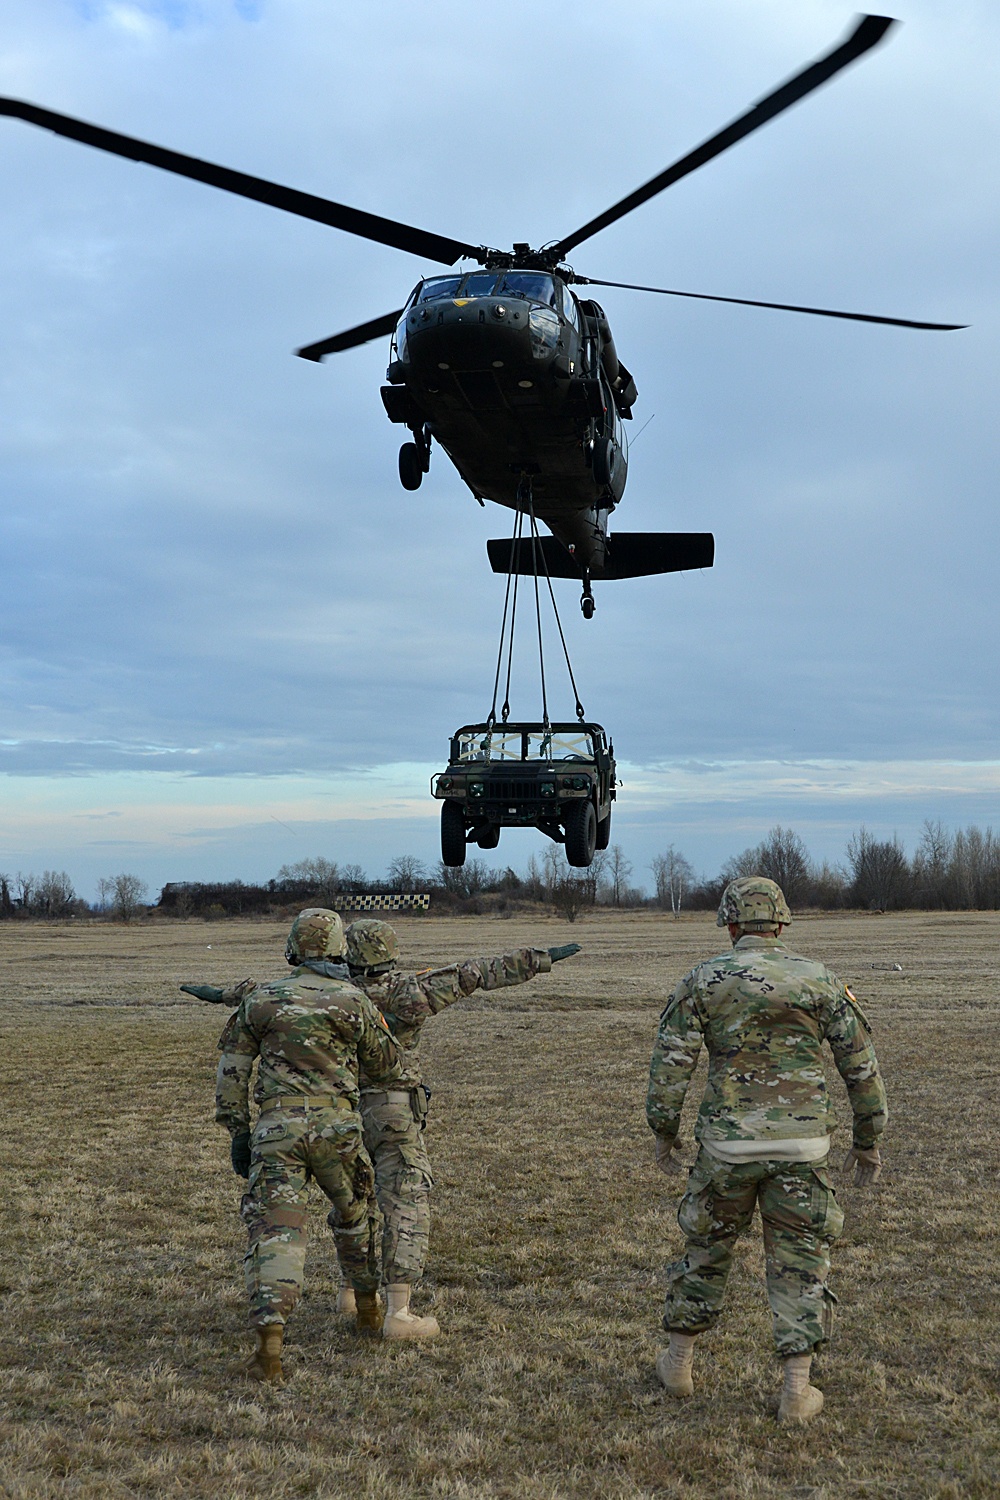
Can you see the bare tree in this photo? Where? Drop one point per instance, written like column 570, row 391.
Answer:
column 593, row 877
column 24, row 886
column 6, row 901
column 54, row 894
column 783, row 858
column 674, row 878
column 128, row 896
column 406, row 872
column 534, row 883
column 555, row 867
column 569, row 896
column 881, row 871
column 319, row 874
column 352, row 878
column 464, row 880
column 619, row 870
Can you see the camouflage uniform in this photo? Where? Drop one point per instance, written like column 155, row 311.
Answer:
column 763, row 1127
column 310, row 1031
column 394, row 1117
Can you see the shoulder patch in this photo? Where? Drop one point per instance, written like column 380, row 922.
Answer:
column 855, row 1006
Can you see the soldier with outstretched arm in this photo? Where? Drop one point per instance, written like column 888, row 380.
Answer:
column 309, row 1032
column 763, row 1128
column 394, row 1116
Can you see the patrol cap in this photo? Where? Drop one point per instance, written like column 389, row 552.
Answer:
column 371, row 943
column 753, row 902
column 316, row 932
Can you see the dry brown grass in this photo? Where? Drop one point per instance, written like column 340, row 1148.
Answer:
column 123, row 1314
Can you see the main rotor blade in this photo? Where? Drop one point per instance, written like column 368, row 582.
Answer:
column 352, row 337
column 353, row 220
column 819, row 312
column 869, row 31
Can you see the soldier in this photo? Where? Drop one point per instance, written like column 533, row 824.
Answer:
column 764, row 1131
column 311, row 1030
column 394, row 1117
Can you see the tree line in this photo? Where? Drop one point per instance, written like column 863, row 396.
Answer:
column 948, row 871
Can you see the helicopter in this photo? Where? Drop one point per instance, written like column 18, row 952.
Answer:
column 516, row 378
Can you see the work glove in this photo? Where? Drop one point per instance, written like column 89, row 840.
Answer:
column 867, row 1165
column 566, row 951
column 239, row 1153
column 204, row 992
column 665, row 1158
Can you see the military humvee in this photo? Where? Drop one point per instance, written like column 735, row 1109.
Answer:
column 558, row 778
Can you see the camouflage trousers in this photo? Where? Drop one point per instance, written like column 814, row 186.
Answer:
column 291, row 1144
column 801, row 1219
column 403, row 1181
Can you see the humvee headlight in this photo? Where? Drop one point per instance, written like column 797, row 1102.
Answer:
column 477, row 789
column 547, row 788
column 445, row 783
column 575, row 783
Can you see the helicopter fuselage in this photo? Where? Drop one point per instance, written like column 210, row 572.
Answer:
column 520, row 384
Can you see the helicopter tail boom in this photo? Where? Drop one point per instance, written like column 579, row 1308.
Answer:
column 628, row 554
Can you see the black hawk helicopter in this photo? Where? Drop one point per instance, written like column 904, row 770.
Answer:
column 503, row 365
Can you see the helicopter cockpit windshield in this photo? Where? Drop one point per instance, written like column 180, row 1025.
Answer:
column 531, row 286
column 534, row 286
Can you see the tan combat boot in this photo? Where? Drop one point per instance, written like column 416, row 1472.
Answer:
column 673, row 1365
column 800, row 1401
column 369, row 1312
column 400, row 1323
column 346, row 1301
column 265, row 1363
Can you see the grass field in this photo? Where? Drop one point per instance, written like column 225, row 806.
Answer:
column 123, row 1323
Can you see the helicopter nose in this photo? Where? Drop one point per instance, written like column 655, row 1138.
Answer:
column 468, row 333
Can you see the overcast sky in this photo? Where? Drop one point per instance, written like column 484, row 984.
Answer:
column 230, row 640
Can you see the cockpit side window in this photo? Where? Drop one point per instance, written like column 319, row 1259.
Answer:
column 439, row 286
column 569, row 307
column 533, row 285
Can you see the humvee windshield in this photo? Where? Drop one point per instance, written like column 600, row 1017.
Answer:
column 502, row 745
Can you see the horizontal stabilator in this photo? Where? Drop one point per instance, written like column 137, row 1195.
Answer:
column 629, row 554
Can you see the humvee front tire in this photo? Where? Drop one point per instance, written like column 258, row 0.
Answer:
column 581, row 834
column 452, row 834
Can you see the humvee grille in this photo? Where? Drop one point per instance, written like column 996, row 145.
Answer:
column 511, row 791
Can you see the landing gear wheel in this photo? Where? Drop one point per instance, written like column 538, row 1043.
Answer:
column 452, row 834
column 605, row 459
column 587, row 605
column 581, row 834
column 411, row 466
column 604, row 831
column 488, row 838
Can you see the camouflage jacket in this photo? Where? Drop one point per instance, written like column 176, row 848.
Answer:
column 406, row 1000
column 764, row 1012
column 312, row 1034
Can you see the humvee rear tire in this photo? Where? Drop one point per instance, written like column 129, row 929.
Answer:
column 452, row 834
column 488, row 838
column 411, row 468
column 581, row 834
column 604, row 831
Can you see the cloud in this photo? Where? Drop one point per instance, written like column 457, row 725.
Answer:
column 208, row 560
